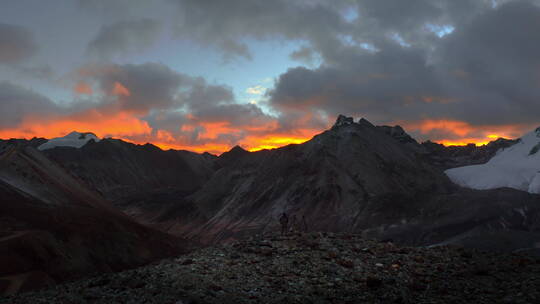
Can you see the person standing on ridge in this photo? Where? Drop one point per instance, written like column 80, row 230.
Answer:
column 293, row 224
column 284, row 221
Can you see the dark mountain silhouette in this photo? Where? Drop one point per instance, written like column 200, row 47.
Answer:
column 53, row 228
column 142, row 180
column 355, row 177
column 121, row 170
column 458, row 156
column 445, row 157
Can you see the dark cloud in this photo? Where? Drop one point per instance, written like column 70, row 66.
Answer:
column 321, row 24
column 386, row 60
column 304, row 54
column 149, row 86
column 225, row 24
column 240, row 115
column 124, row 37
column 18, row 103
column 166, row 99
column 485, row 72
column 16, row 44
column 202, row 95
column 391, row 82
column 43, row 72
column 493, row 64
column 114, row 9
column 473, row 61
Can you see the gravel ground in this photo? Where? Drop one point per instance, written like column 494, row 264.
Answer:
column 312, row 268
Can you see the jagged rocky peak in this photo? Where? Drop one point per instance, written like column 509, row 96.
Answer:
column 398, row 133
column 394, row 131
column 231, row 156
column 237, row 149
column 365, row 122
column 537, row 132
column 234, row 152
column 343, row 120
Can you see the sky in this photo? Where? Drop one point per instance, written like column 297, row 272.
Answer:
column 206, row 75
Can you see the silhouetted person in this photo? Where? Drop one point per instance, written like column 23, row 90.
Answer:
column 284, row 221
column 293, row 223
column 304, row 223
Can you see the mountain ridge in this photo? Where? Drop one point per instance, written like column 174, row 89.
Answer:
column 53, row 228
column 354, row 176
column 357, row 177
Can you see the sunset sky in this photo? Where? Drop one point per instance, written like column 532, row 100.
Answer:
column 207, row 75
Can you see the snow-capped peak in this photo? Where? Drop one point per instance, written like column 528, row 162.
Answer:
column 73, row 139
column 516, row 167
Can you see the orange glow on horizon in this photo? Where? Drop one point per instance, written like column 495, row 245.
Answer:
column 459, row 128
column 477, row 142
column 200, row 136
column 251, row 143
column 461, row 133
column 273, row 142
column 121, row 125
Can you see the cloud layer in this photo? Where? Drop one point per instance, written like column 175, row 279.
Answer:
column 16, row 44
column 125, row 36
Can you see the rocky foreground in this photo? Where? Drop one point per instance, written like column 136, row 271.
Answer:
column 312, row 268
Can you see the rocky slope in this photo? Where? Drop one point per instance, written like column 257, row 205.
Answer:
column 140, row 180
column 313, row 268
column 346, row 179
column 357, row 178
column 52, row 228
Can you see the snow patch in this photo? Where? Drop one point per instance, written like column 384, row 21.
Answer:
column 73, row 139
column 513, row 167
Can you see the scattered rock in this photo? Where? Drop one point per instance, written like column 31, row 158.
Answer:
column 373, row 282
column 416, row 285
column 350, row 269
column 345, row 263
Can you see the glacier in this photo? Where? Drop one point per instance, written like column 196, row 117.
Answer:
column 73, row 139
column 515, row 167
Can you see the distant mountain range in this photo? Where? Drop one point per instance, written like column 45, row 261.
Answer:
column 53, row 227
column 354, row 177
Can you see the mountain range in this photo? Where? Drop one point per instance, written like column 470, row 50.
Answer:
column 376, row 181
column 53, row 227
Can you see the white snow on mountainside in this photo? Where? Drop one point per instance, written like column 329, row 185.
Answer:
column 516, row 167
column 73, row 139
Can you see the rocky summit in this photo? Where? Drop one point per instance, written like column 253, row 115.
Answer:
column 312, row 268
